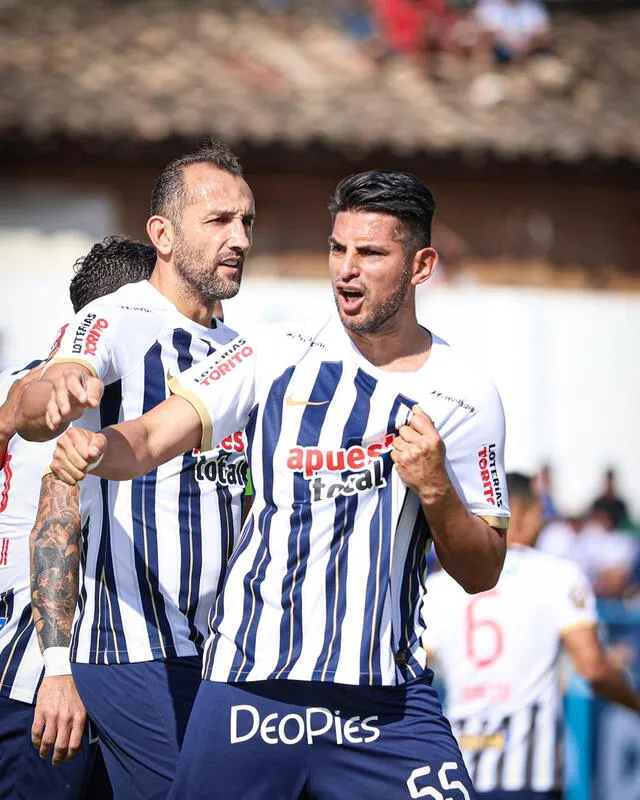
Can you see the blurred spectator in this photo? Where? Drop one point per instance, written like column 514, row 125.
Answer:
column 560, row 536
column 401, row 24
column 605, row 554
column 417, row 26
column 356, row 18
column 611, row 503
column 516, row 28
column 544, row 487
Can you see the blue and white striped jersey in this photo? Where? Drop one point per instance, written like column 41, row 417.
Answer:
column 327, row 579
column 151, row 569
column 21, row 664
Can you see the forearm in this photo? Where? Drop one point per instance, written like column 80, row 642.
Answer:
column 136, row 447
column 468, row 548
column 55, row 559
column 7, row 426
column 127, row 453
column 612, row 685
column 30, row 418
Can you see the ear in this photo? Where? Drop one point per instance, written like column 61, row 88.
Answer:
column 162, row 234
column 424, row 263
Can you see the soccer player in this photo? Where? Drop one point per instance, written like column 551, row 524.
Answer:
column 150, row 568
column 367, row 435
column 109, row 265
column 498, row 652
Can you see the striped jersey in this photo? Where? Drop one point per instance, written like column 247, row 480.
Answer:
column 154, row 548
column 498, row 653
column 21, row 665
column 326, row 581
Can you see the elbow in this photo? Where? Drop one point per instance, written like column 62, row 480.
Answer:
column 30, row 432
column 593, row 671
column 483, row 580
column 479, row 584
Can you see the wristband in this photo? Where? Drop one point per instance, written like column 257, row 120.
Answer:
column 56, row 661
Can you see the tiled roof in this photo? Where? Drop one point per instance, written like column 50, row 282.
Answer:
column 150, row 71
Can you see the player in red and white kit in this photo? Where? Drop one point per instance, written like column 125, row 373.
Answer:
column 498, row 654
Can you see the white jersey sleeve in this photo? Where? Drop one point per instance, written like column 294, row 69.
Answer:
column 221, row 388
column 106, row 336
column 575, row 602
column 87, row 341
column 475, row 458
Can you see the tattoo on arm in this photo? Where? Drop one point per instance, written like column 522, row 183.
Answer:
column 55, row 560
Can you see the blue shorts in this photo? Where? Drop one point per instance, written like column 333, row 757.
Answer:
column 26, row 776
column 279, row 740
column 140, row 712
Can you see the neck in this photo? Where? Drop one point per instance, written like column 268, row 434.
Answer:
column 189, row 304
column 400, row 345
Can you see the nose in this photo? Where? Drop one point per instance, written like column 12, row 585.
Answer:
column 239, row 236
column 349, row 267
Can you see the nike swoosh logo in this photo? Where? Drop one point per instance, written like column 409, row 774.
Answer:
column 291, row 402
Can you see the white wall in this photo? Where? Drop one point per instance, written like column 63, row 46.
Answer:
column 44, row 228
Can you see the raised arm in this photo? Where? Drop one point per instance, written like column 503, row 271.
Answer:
column 60, row 715
column 132, row 448
column 59, row 397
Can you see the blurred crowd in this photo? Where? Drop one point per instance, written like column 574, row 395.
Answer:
column 603, row 541
column 486, row 31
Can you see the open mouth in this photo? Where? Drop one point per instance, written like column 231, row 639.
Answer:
column 350, row 300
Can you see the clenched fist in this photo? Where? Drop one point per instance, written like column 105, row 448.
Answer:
column 77, row 452
column 419, row 455
column 72, row 393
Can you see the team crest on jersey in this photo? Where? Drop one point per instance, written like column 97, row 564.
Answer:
column 225, row 464
column 488, row 466
column 363, row 462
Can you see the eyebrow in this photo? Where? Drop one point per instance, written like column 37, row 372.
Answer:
column 369, row 246
column 228, row 212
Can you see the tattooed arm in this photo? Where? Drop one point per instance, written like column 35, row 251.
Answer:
column 55, row 558
column 60, row 716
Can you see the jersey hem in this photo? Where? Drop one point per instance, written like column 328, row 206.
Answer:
column 114, row 657
column 583, row 623
column 11, row 692
column 320, row 676
column 501, row 523
column 199, row 407
column 70, row 360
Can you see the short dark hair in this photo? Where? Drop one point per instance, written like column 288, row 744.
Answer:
column 522, row 487
column 399, row 194
column 109, row 264
column 170, row 193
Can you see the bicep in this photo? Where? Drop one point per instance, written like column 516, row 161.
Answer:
column 583, row 646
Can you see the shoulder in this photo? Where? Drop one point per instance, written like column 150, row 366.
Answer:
column 458, row 380
column 293, row 340
column 558, row 572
